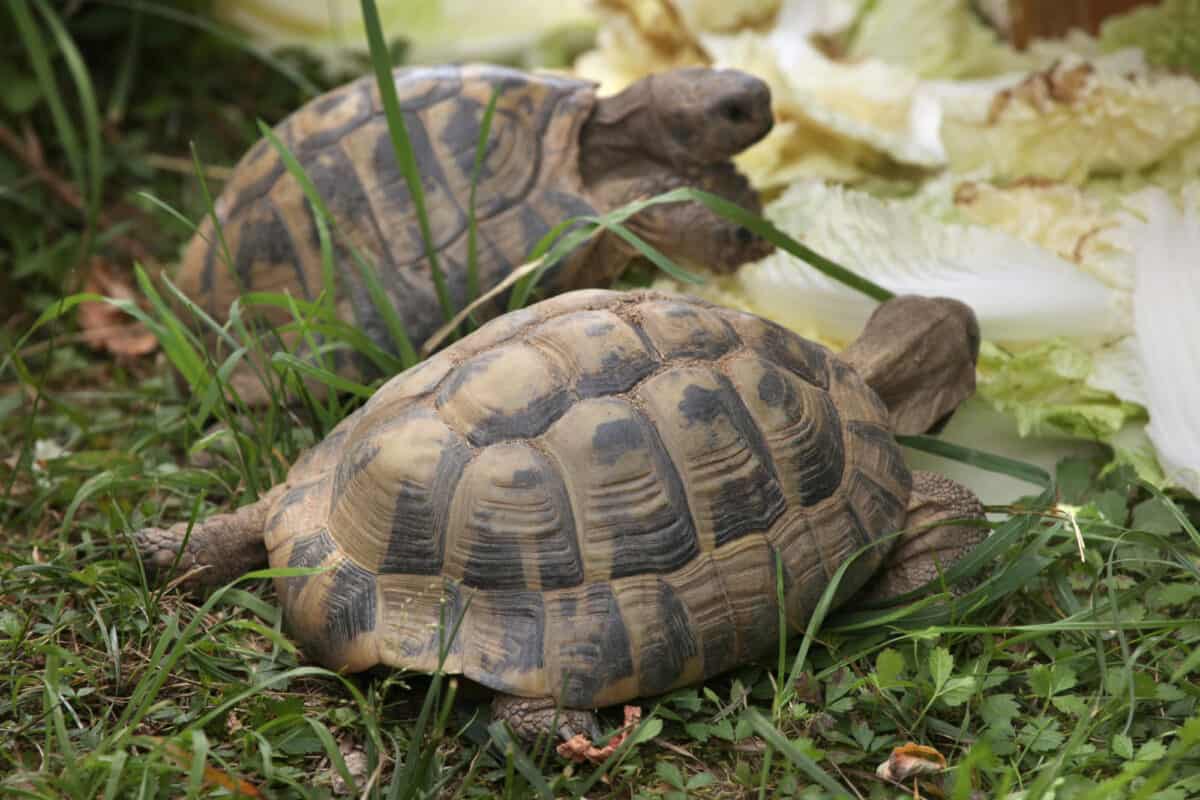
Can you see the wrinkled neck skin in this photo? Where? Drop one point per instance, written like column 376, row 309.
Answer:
column 617, row 133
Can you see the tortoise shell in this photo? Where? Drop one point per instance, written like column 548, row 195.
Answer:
column 600, row 487
column 529, row 180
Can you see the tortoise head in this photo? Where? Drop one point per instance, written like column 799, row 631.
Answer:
column 684, row 118
column 704, row 116
column 674, row 129
column 918, row 354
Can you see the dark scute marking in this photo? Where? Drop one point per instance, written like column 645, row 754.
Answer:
column 662, row 661
column 349, row 604
column 308, row 147
column 616, row 437
column 881, row 510
column 258, row 188
column 261, row 148
column 440, row 83
column 746, row 504
column 681, row 312
column 619, row 372
column 494, row 563
column 700, row 405
column 604, row 657
column 311, row 551
column 521, row 620
column 386, row 171
column 337, row 182
column 796, row 354
column 560, row 559
column 329, row 102
column 821, row 463
column 459, row 376
column 434, row 183
column 525, row 478
column 533, row 227
column 532, row 420
column 662, row 542
column 883, row 439
column 647, row 343
column 460, row 137
column 773, row 389
column 291, row 497
column 350, row 465
column 598, row 329
column 267, row 241
column 703, row 343
column 419, row 518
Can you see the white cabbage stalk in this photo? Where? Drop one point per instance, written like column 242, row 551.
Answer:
column 1166, row 305
column 1021, row 292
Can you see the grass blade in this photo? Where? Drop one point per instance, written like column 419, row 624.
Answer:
column 485, row 128
column 1021, row 470
column 382, row 64
column 39, row 59
column 763, row 727
column 775, row 236
column 92, row 174
column 330, row 379
column 524, row 764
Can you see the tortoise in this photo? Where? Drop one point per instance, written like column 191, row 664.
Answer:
column 555, row 151
column 599, row 486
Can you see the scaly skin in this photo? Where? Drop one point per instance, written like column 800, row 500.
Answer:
column 531, row 717
column 224, row 546
column 939, row 533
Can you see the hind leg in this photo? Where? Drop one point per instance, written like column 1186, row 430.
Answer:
column 533, row 717
column 223, row 546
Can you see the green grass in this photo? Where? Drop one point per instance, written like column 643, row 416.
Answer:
column 1054, row 676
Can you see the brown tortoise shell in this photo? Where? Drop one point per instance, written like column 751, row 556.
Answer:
column 599, row 486
column 529, row 180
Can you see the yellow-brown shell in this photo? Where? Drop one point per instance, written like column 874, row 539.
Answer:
column 529, row 181
column 599, row 486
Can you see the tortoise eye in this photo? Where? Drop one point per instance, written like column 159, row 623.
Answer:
column 735, row 112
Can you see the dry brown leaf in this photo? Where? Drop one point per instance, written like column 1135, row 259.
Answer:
column 580, row 748
column 106, row 327
column 910, row 759
column 238, row 787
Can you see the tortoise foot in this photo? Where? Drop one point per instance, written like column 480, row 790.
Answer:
column 158, row 548
column 533, row 717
